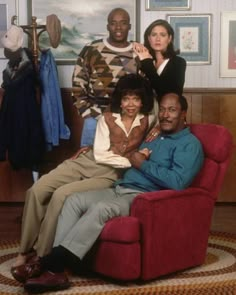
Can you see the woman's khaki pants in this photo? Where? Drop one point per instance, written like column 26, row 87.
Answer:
column 44, row 200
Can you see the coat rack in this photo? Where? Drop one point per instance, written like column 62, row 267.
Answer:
column 34, row 30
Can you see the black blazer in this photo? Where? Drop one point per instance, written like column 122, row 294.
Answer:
column 171, row 79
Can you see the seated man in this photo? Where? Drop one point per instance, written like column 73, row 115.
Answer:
column 171, row 161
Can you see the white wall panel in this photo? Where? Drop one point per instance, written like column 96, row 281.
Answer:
column 203, row 76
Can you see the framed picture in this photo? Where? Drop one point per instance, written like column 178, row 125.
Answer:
column 8, row 8
column 167, row 4
column 82, row 21
column 228, row 44
column 192, row 37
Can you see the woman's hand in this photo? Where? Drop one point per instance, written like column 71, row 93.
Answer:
column 153, row 133
column 82, row 150
column 146, row 152
column 141, row 51
column 138, row 157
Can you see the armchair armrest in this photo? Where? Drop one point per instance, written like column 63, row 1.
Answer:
column 169, row 216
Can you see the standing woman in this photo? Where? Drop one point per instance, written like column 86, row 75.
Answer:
column 159, row 61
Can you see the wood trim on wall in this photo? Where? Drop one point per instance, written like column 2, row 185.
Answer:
column 210, row 90
column 217, row 106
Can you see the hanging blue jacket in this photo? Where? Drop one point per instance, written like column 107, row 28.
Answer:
column 51, row 102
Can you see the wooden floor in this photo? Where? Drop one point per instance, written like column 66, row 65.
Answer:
column 224, row 219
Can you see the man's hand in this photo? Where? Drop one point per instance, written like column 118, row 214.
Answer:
column 82, row 150
column 137, row 158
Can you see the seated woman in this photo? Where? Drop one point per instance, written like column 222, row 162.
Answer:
column 118, row 134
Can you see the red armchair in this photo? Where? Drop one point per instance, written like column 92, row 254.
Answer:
column 168, row 230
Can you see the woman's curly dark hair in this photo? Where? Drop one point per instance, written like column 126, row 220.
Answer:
column 133, row 84
column 170, row 51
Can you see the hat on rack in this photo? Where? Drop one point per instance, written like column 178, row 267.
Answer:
column 53, row 26
column 13, row 38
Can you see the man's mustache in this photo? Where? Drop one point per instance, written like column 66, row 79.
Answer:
column 165, row 121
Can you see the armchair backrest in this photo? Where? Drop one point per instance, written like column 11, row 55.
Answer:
column 217, row 144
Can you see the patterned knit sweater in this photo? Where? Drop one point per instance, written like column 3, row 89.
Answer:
column 99, row 66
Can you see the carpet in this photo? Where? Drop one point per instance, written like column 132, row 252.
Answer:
column 216, row 276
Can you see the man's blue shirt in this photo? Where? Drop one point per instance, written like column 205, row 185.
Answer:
column 174, row 162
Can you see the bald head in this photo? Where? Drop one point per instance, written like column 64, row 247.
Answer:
column 118, row 26
column 182, row 100
column 118, row 10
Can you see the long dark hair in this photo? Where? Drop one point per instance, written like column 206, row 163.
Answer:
column 133, row 84
column 170, row 51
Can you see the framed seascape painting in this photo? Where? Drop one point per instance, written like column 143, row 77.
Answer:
column 168, row 4
column 228, row 44
column 192, row 37
column 8, row 8
column 82, row 21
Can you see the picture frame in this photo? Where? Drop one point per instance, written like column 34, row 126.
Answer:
column 228, row 44
column 82, row 21
column 8, row 8
column 168, row 5
column 192, row 37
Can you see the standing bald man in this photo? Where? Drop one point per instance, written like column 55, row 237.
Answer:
column 99, row 66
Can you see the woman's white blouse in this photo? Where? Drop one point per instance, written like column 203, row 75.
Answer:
column 101, row 151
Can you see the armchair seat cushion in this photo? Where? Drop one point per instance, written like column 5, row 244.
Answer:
column 121, row 229
column 117, row 250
